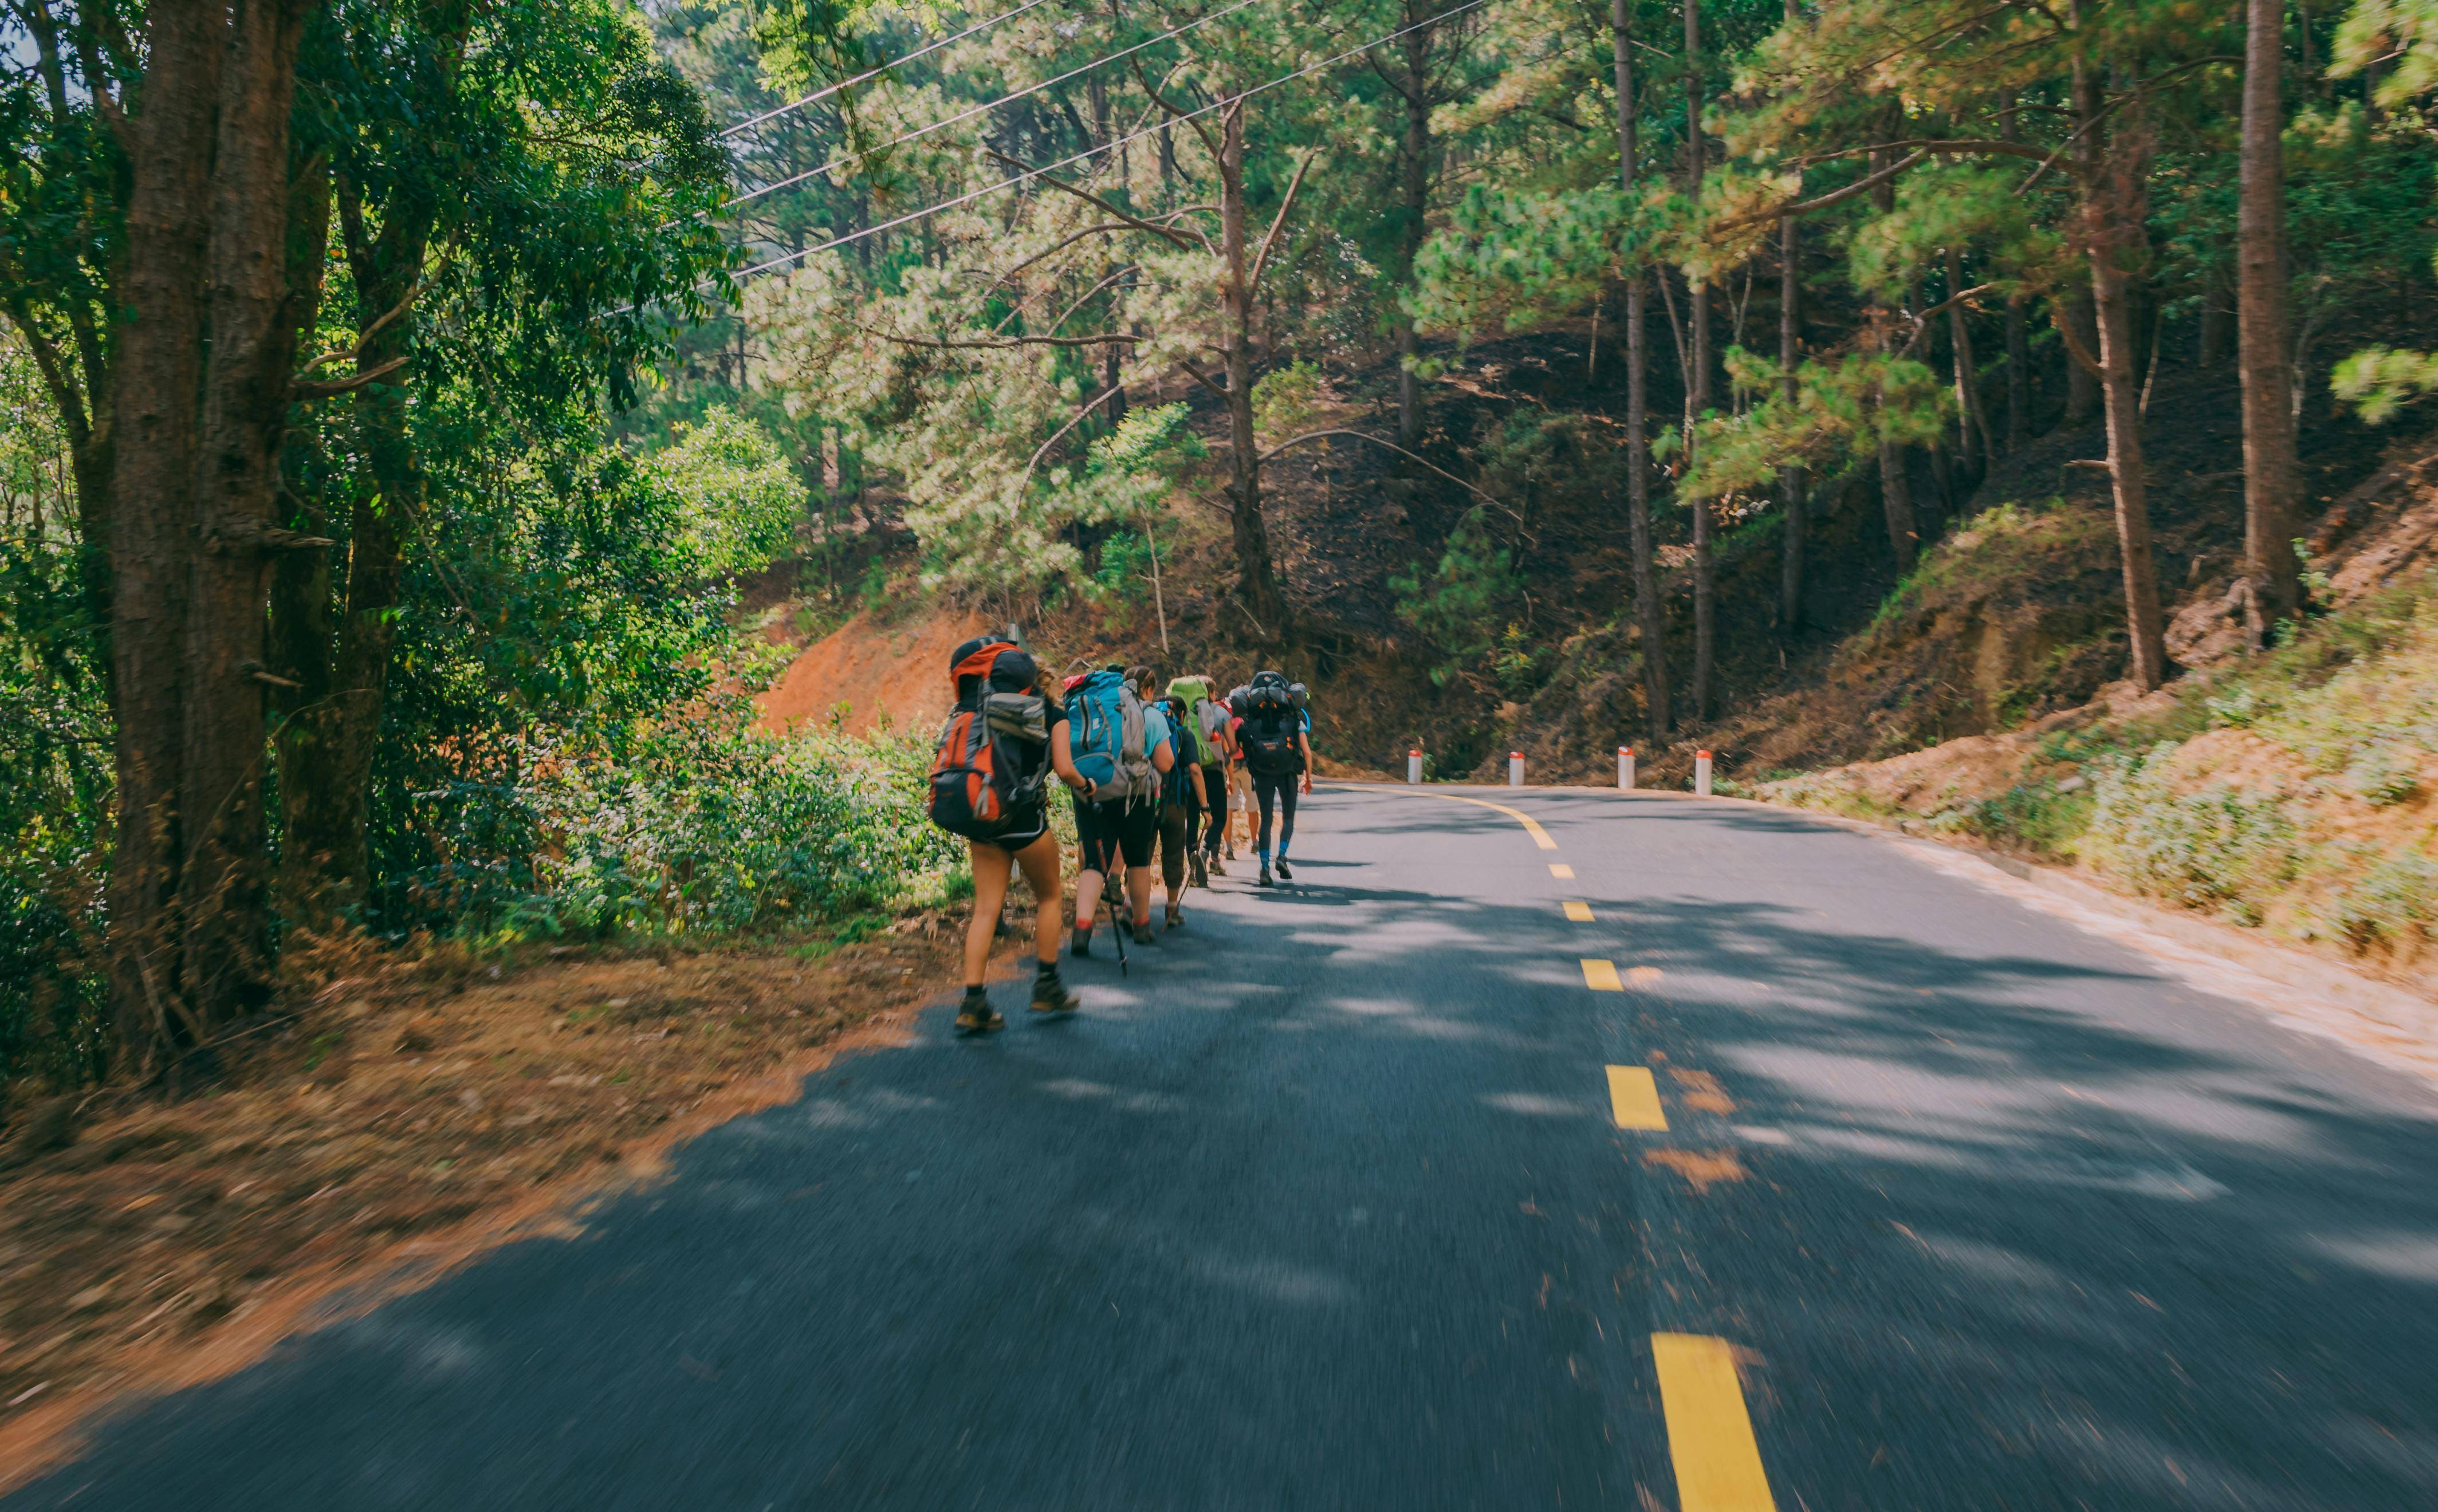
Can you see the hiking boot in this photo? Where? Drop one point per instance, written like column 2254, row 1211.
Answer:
column 1176, row 917
column 1265, row 877
column 1049, row 994
column 975, row 1016
column 1231, row 853
column 1142, row 931
column 1201, row 872
column 1216, row 868
column 1081, row 943
column 1284, row 875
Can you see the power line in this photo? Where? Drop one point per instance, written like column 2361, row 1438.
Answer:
column 924, row 51
column 968, row 114
column 1013, row 180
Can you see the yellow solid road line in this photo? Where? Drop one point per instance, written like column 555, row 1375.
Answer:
column 1532, row 825
column 1561, row 870
column 1580, row 912
column 1709, row 1434
column 1633, row 1098
column 1600, row 975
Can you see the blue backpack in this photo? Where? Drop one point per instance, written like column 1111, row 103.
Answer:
column 1106, row 736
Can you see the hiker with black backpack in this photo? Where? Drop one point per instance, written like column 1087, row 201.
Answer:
column 1278, row 756
column 1180, row 789
column 1006, row 736
column 1116, row 808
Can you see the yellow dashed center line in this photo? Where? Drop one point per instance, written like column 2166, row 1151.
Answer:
column 1633, row 1098
column 1709, row 1434
column 1600, row 975
column 1580, row 912
column 1532, row 825
column 1561, row 870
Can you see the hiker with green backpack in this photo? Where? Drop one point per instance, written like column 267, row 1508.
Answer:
column 1120, row 751
column 1205, row 729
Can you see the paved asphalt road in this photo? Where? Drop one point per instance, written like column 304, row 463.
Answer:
column 1328, row 1206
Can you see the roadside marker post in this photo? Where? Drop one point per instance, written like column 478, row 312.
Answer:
column 1625, row 768
column 1515, row 769
column 1413, row 766
column 1701, row 773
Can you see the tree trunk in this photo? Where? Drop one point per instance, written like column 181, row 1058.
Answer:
column 1648, row 614
column 2081, row 383
column 1790, row 485
column 2112, row 188
column 2271, row 472
column 1896, row 481
column 1258, row 583
column 1973, row 425
column 1697, row 380
column 2019, row 376
column 225, row 884
column 1414, row 182
column 159, row 369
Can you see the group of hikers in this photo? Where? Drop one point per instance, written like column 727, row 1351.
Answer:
column 1150, row 770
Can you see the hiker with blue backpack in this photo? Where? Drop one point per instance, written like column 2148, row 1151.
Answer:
column 1006, row 736
column 1120, row 751
column 1181, row 794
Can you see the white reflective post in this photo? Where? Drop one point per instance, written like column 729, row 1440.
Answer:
column 1515, row 769
column 1624, row 768
column 1413, row 766
column 1701, row 773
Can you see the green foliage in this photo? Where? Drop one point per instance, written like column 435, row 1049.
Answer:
column 1841, row 412
column 741, row 498
column 1285, row 401
column 2222, row 849
column 1458, row 604
column 2379, row 380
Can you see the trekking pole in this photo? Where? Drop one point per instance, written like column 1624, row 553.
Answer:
column 1120, row 917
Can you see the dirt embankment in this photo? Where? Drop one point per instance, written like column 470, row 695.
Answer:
column 867, row 674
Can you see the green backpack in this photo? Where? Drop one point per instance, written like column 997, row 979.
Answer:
column 1192, row 693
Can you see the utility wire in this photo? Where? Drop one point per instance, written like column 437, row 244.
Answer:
column 1013, row 180
column 845, row 159
column 924, row 51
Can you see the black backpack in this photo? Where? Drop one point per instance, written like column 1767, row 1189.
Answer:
column 1270, row 725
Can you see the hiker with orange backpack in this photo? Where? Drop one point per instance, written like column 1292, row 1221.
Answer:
column 1006, row 733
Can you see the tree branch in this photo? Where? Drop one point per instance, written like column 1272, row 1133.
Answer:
column 1008, row 345
column 1862, row 185
column 304, row 392
column 1060, row 434
column 1164, row 233
column 1262, row 258
column 1314, row 435
column 1204, row 378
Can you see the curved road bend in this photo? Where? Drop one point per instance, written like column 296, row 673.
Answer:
column 1336, row 1203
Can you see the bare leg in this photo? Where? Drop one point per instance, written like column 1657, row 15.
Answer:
column 1040, row 862
column 1087, row 898
column 1139, row 893
column 991, row 866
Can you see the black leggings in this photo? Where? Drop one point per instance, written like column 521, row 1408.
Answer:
column 1282, row 791
column 1212, row 815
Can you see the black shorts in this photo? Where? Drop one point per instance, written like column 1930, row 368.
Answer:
column 1108, row 830
column 1032, row 824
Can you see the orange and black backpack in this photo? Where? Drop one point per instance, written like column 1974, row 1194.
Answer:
column 979, row 786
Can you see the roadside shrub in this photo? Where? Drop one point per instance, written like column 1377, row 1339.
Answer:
column 2392, row 903
column 708, row 826
column 2223, row 848
column 2384, row 774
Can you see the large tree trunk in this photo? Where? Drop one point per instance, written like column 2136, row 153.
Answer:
column 2019, row 376
column 225, row 885
column 1896, row 479
column 2081, row 383
column 1257, row 582
column 1413, row 184
column 1697, row 381
column 1790, row 485
column 154, row 421
column 2112, row 182
column 2271, row 472
column 1648, row 614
